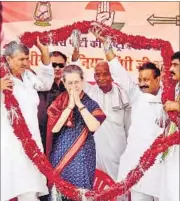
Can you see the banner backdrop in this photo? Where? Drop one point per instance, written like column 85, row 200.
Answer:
column 149, row 19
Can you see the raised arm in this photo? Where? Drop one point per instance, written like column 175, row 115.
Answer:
column 122, row 77
column 118, row 73
column 44, row 73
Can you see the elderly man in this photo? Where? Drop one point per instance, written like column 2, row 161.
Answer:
column 170, row 180
column 58, row 60
column 146, row 121
column 19, row 176
column 111, row 137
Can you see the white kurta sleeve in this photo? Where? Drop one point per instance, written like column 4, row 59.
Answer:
column 77, row 62
column 127, row 120
column 2, row 96
column 122, row 77
column 44, row 78
column 88, row 88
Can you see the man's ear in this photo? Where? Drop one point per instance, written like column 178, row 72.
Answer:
column 158, row 79
column 8, row 59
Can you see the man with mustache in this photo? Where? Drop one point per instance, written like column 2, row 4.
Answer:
column 146, row 121
column 170, row 180
column 149, row 78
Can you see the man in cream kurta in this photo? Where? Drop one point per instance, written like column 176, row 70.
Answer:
column 111, row 138
column 19, row 176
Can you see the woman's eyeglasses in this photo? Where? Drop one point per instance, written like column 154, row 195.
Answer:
column 60, row 65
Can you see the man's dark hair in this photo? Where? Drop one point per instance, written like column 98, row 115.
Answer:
column 176, row 55
column 58, row 53
column 151, row 66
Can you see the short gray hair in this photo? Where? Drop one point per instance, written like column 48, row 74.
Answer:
column 72, row 69
column 13, row 46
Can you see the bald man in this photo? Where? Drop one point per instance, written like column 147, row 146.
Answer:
column 111, row 138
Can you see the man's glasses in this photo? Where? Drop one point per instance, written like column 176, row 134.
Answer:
column 60, row 65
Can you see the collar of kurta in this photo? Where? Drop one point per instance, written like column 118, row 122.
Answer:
column 58, row 86
column 153, row 98
column 119, row 98
column 28, row 76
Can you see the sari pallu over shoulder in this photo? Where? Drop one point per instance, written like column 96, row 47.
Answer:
column 54, row 112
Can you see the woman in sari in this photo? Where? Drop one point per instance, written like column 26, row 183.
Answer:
column 73, row 118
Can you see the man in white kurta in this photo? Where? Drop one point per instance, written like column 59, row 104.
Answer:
column 19, row 176
column 170, row 180
column 145, row 122
column 144, row 129
column 111, row 138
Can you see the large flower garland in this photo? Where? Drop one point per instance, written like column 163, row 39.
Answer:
column 136, row 42
column 147, row 160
